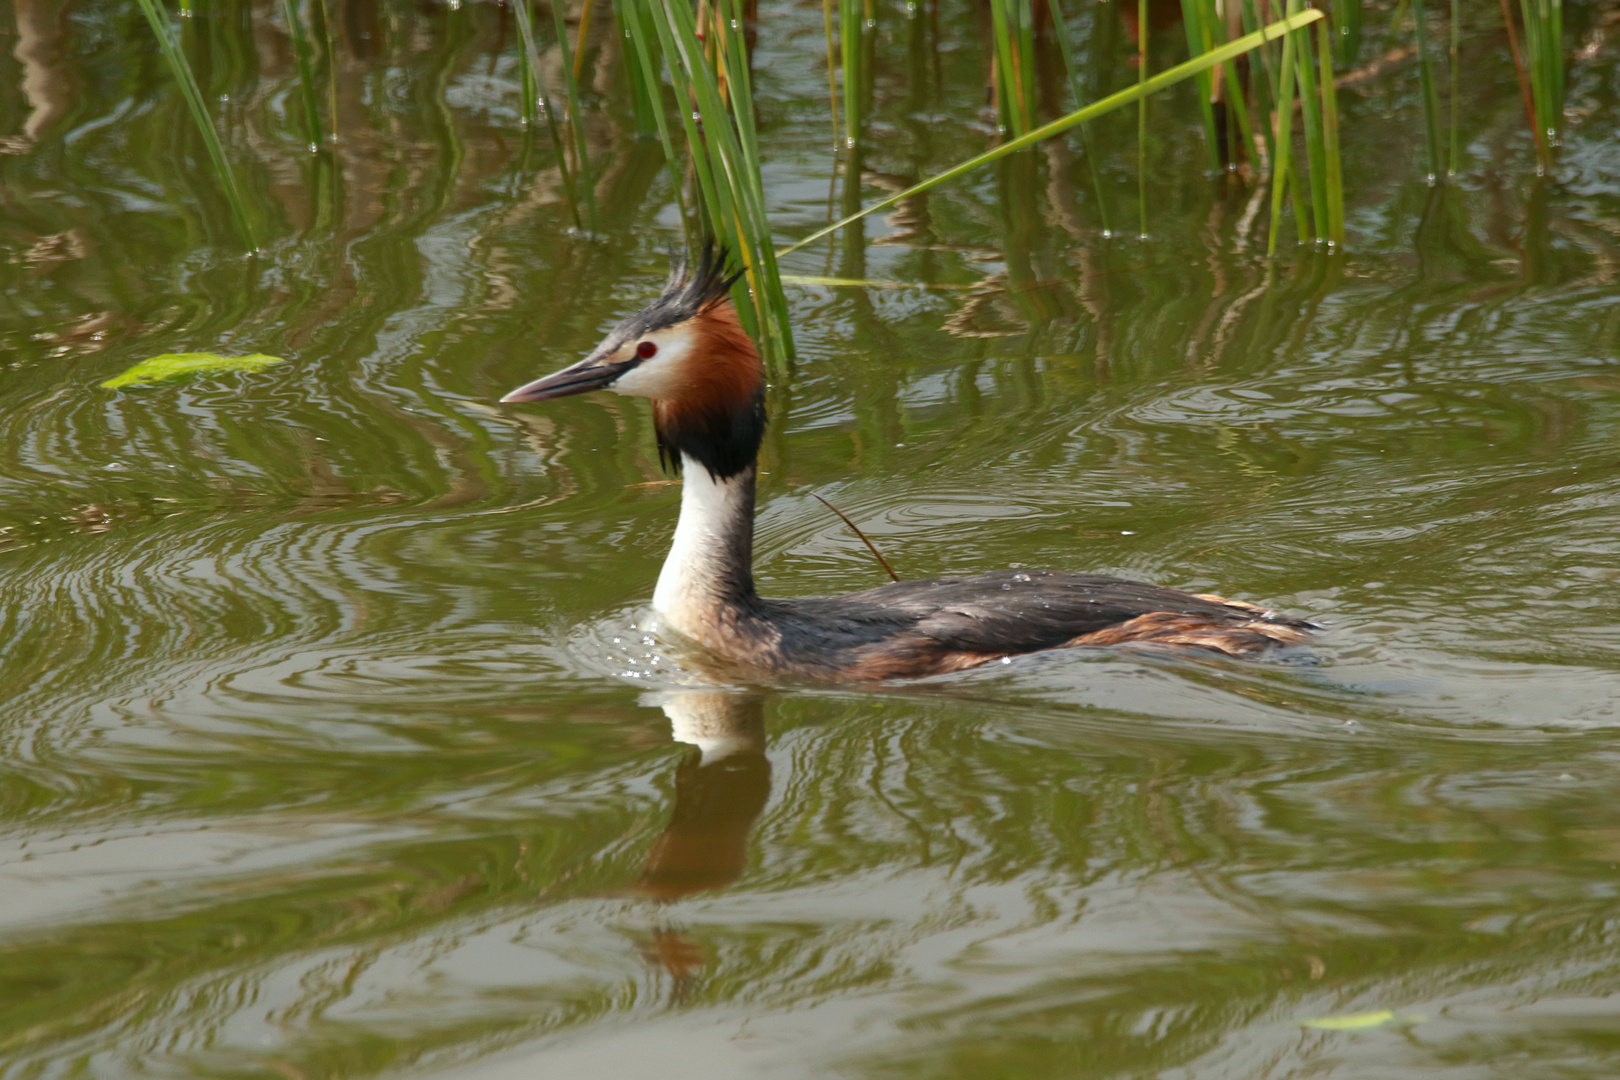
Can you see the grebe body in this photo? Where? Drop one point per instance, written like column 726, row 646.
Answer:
column 688, row 353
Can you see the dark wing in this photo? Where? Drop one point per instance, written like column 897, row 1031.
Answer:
column 997, row 614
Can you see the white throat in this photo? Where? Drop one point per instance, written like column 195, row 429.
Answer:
column 709, row 567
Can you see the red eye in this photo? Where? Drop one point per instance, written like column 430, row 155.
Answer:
column 646, row 349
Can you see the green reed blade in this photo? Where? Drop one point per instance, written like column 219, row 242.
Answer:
column 1310, row 116
column 1199, row 18
column 633, row 18
column 1330, row 136
column 576, row 125
column 331, row 67
column 733, row 62
column 1455, row 157
column 1010, row 22
column 642, row 65
column 1397, row 19
column 1233, row 95
column 1347, row 21
column 528, row 65
column 304, row 56
column 687, row 66
column 725, row 154
column 1166, row 78
column 1019, row 95
column 713, row 208
column 181, row 70
column 645, row 103
column 1552, row 60
column 1282, row 172
column 1543, row 151
column 533, row 91
column 1431, row 101
column 578, row 66
column 850, row 27
column 1263, row 85
column 733, row 57
column 1024, row 54
column 1543, row 40
column 1001, row 40
column 832, row 66
column 765, row 277
column 1070, row 64
column 1298, row 199
column 1143, row 18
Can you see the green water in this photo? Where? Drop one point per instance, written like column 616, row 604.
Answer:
column 331, row 746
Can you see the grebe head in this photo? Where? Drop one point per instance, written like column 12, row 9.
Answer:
column 686, row 352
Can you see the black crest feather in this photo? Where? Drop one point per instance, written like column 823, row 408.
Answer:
column 696, row 283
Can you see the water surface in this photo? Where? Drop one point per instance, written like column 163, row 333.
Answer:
column 332, row 747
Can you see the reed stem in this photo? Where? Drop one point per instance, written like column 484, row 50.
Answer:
column 1281, row 170
column 1164, row 79
column 181, row 70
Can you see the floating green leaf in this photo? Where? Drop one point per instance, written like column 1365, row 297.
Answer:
column 174, row 365
column 1359, row 1021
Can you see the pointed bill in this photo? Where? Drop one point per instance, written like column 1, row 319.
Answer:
column 587, row 375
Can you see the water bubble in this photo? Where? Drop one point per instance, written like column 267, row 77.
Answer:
column 1020, row 577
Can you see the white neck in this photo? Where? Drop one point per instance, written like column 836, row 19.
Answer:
column 709, row 569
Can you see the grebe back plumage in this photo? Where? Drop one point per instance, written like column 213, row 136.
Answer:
column 687, row 352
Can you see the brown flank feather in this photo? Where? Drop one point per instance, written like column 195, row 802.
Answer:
column 1169, row 628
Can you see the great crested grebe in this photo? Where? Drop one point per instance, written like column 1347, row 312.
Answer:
column 687, row 352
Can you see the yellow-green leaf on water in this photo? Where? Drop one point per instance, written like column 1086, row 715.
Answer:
column 1358, row 1021
column 173, row 365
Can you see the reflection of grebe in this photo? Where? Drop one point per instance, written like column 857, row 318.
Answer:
column 687, row 352
column 719, row 791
